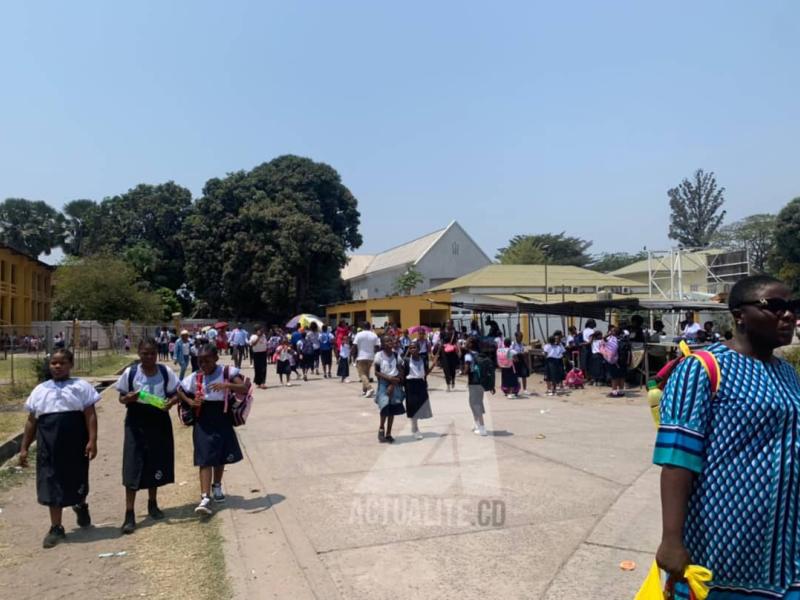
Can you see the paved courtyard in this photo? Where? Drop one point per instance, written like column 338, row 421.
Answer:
column 545, row 507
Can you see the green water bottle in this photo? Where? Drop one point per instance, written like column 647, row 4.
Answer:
column 152, row 400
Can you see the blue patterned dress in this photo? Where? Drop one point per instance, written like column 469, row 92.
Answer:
column 744, row 445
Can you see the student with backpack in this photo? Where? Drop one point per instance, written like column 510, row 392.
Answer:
column 479, row 370
column 284, row 356
column 509, row 382
column 305, row 348
column 418, row 405
column 148, row 455
column 554, row 364
column 326, row 352
column 206, row 395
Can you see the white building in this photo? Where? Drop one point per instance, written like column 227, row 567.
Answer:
column 438, row 257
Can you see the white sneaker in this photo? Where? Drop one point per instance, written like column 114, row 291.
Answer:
column 204, row 508
column 418, row 435
column 216, row 492
column 476, row 430
column 347, row 381
column 482, row 431
column 370, row 393
column 289, row 384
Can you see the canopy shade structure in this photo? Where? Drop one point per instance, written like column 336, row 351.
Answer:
column 598, row 309
column 593, row 309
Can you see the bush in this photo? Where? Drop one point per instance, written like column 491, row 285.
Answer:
column 41, row 368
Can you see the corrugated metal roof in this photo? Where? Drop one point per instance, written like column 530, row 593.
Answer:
column 690, row 261
column 356, row 265
column 524, row 276
column 410, row 252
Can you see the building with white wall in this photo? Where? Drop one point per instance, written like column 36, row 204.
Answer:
column 438, row 257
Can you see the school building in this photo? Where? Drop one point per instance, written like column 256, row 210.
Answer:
column 25, row 289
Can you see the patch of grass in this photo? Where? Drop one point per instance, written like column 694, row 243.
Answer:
column 183, row 558
column 11, row 475
column 11, row 422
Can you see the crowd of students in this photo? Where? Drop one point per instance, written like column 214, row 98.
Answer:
column 393, row 370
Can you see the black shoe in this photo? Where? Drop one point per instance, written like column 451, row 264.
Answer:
column 82, row 513
column 129, row 526
column 389, row 439
column 381, row 436
column 54, row 536
column 154, row 511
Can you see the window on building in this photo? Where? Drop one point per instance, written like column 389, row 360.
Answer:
column 13, row 274
column 2, row 270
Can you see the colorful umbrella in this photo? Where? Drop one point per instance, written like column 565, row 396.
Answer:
column 304, row 321
column 417, row 328
column 220, row 325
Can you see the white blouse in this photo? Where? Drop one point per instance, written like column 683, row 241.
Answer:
column 153, row 385
column 189, row 383
column 387, row 365
column 416, row 369
column 61, row 396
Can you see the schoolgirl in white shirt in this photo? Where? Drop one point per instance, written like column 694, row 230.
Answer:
column 62, row 417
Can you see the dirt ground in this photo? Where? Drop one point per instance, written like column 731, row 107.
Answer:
column 178, row 557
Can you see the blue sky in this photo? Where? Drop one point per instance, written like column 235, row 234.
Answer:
column 511, row 117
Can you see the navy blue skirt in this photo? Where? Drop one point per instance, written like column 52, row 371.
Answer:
column 215, row 441
column 62, row 468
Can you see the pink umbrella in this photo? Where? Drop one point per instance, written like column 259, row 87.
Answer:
column 418, row 328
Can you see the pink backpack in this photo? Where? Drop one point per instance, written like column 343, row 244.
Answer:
column 236, row 404
column 504, row 360
column 574, row 378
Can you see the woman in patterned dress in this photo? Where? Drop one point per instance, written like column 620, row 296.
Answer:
column 730, row 482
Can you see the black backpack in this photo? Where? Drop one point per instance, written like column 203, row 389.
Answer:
column 482, row 372
column 624, row 353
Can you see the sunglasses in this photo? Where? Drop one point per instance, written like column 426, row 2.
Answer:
column 777, row 306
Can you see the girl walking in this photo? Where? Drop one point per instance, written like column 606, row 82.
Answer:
column 554, row 364
column 521, row 361
column 215, row 443
column 609, row 350
column 343, row 368
column 448, row 340
column 283, row 359
column 326, row 352
column 390, row 388
column 148, row 455
column 62, row 417
column 258, row 346
column 473, row 364
column 509, row 383
column 418, row 405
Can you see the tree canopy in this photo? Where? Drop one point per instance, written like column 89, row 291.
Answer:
column 105, row 289
column 555, row 248
column 406, row 283
column 79, row 218
column 143, row 225
column 270, row 241
column 755, row 233
column 785, row 260
column 32, row 227
column 695, row 210
column 611, row 261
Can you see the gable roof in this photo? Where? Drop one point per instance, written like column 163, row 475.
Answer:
column 690, row 261
column 409, row 253
column 522, row 276
column 356, row 265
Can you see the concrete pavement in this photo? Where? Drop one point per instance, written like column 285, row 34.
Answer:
column 545, row 507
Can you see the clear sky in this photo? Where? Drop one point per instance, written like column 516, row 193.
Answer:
column 511, row 117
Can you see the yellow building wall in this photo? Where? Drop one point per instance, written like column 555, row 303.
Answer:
column 25, row 289
column 409, row 310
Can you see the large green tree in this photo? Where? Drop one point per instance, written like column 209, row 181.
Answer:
column 755, row 233
column 611, row 261
column 144, row 226
column 270, row 241
column 785, row 260
column 80, row 216
column 695, row 207
column 555, row 248
column 104, row 289
column 30, row 226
